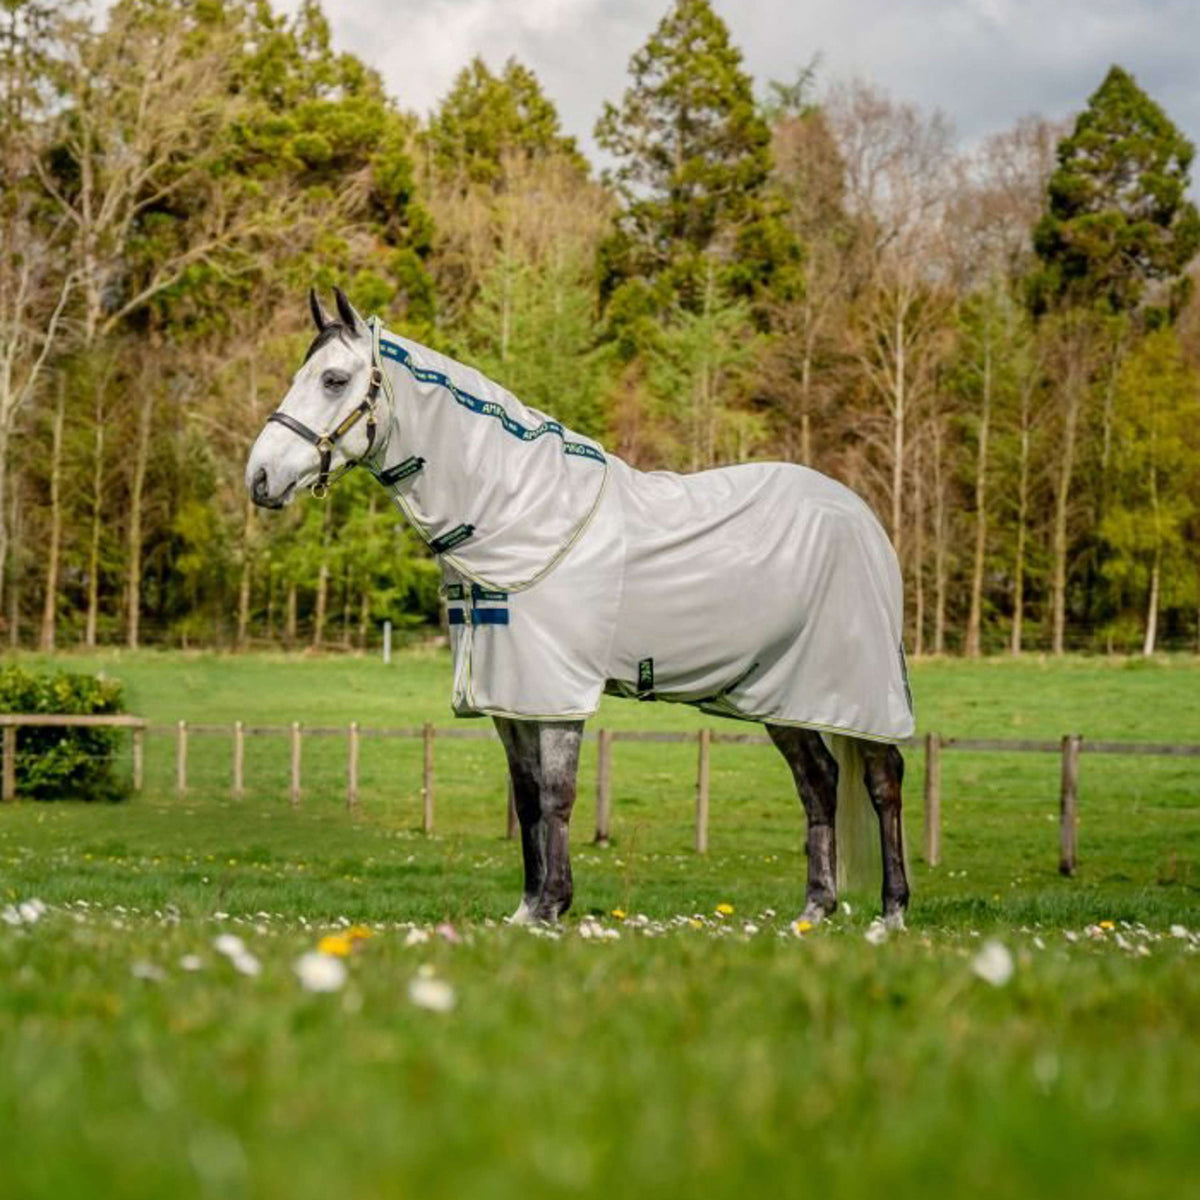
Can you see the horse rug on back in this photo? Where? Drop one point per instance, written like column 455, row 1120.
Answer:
column 766, row 591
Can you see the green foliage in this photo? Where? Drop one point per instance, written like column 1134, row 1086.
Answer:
column 694, row 160
column 486, row 119
column 1118, row 218
column 1156, row 471
column 63, row 764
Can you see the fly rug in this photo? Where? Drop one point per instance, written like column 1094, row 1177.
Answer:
column 764, row 592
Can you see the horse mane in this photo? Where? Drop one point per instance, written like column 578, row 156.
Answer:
column 335, row 329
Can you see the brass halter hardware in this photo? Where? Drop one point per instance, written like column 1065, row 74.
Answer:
column 325, row 442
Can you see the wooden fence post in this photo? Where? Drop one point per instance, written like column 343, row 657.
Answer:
column 603, row 786
column 295, row 740
column 1068, row 805
column 933, row 798
column 239, row 760
column 10, row 763
column 427, row 780
column 511, row 824
column 181, row 755
column 139, row 758
column 704, row 739
column 352, row 768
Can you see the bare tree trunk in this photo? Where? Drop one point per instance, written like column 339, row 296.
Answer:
column 322, row 585
column 918, row 554
column 289, row 628
column 4, row 525
column 898, row 416
column 14, row 574
column 141, row 456
column 346, row 594
column 364, row 619
column 1062, row 495
column 243, row 618
column 50, row 605
column 322, row 596
column 975, row 615
column 939, row 542
column 1151, row 638
column 1022, row 532
column 93, row 588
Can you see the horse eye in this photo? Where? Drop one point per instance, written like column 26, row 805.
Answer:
column 334, row 381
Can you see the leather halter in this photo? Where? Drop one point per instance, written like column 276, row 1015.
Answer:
column 325, row 442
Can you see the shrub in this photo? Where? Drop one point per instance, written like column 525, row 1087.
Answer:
column 64, row 764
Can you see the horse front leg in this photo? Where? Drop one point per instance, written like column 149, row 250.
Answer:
column 815, row 772
column 520, row 740
column 543, row 761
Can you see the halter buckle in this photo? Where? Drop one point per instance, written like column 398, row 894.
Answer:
column 319, row 490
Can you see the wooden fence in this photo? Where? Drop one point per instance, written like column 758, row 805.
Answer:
column 1070, row 749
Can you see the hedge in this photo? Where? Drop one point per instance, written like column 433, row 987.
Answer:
column 64, row 764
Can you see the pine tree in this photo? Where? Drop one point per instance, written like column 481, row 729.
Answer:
column 694, row 161
column 1117, row 217
column 488, row 118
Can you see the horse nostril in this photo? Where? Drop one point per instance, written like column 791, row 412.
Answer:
column 258, row 485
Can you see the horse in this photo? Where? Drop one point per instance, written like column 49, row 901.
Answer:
column 763, row 592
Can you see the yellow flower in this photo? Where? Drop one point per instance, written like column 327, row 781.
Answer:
column 1107, row 925
column 336, row 944
column 695, row 924
column 619, row 913
column 726, row 910
column 359, row 933
column 802, row 926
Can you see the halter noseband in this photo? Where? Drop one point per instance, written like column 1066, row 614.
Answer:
column 325, row 442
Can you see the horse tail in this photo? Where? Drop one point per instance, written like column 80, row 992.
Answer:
column 859, row 858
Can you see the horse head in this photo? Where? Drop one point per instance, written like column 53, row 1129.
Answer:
column 328, row 421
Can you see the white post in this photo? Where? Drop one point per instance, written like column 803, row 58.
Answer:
column 387, row 643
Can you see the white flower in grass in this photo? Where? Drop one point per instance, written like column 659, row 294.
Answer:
column 877, row 933
column 319, row 972
column 31, row 911
column 993, row 964
column 437, row 995
column 1179, row 931
column 148, row 971
column 416, row 937
column 246, row 964
column 10, row 916
column 191, row 962
column 229, row 944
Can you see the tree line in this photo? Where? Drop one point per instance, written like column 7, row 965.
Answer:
column 999, row 348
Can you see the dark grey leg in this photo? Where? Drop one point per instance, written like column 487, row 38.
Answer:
column 521, row 747
column 883, row 769
column 816, row 774
column 543, row 759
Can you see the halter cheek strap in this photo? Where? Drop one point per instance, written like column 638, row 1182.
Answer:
column 325, row 442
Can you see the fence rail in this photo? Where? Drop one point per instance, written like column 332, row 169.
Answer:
column 1070, row 748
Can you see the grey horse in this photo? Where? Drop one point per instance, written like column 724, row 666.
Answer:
column 763, row 592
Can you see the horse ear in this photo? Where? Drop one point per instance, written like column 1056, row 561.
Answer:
column 319, row 315
column 346, row 311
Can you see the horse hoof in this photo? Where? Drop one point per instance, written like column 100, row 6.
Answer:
column 523, row 915
column 813, row 914
column 893, row 922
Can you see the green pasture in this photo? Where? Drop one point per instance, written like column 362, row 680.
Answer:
column 693, row 1054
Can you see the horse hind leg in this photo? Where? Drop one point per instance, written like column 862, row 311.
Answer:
column 883, row 769
column 816, row 774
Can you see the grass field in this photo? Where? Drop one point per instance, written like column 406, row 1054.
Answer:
column 677, row 1050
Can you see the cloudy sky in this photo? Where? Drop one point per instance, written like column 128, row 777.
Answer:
column 984, row 63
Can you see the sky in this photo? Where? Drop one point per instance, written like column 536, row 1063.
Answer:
column 984, row 63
